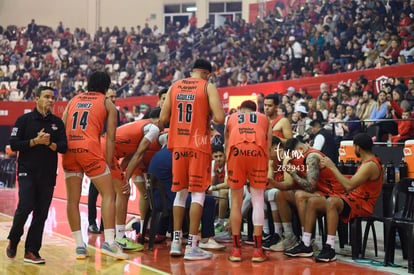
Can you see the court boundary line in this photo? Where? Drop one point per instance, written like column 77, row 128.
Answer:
column 98, row 249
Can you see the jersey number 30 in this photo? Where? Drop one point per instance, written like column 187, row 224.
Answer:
column 83, row 121
column 252, row 118
column 187, row 109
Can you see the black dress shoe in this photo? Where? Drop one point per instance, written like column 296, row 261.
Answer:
column 94, row 229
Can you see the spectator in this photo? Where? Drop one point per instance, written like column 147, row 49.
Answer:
column 352, row 126
column 324, row 141
column 405, row 128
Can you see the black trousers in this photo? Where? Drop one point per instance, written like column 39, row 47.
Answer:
column 35, row 194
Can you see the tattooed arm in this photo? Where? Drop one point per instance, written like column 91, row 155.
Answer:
column 312, row 174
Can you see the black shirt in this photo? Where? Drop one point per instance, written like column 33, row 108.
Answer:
column 39, row 159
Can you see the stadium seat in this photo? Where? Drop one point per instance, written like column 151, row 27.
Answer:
column 13, row 84
column 12, row 68
column 13, row 44
column 109, row 67
column 56, row 44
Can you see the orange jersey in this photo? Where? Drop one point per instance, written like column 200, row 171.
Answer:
column 128, row 137
column 278, row 173
column 154, row 147
column 277, row 133
column 86, row 116
column 249, row 127
column 369, row 191
column 190, row 116
column 327, row 182
column 218, row 175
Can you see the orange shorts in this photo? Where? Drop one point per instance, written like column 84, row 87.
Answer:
column 247, row 161
column 190, row 169
column 89, row 160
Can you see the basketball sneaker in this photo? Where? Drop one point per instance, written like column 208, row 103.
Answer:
column 113, row 250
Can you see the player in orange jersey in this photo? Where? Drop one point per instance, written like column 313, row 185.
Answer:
column 131, row 143
column 84, row 118
column 248, row 138
column 280, row 125
column 363, row 190
column 187, row 107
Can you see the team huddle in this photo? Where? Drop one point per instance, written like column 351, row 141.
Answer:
column 262, row 162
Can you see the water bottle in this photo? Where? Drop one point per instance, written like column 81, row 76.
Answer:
column 341, row 166
column 397, row 174
column 390, row 172
column 403, row 169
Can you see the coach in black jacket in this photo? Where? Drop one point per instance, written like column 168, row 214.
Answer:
column 38, row 136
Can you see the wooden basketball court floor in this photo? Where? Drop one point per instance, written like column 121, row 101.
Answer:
column 59, row 252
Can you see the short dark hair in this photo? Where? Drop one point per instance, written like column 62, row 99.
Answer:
column 291, row 144
column 99, row 82
column 217, row 148
column 273, row 97
column 276, row 141
column 39, row 90
column 298, row 95
column 316, row 123
column 155, row 113
column 203, row 64
column 364, row 141
column 249, row 104
column 163, row 91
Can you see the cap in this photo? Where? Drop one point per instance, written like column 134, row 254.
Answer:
column 301, row 109
column 383, row 42
column 403, row 33
column 291, row 89
column 291, row 38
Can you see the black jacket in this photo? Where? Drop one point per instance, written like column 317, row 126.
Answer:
column 38, row 160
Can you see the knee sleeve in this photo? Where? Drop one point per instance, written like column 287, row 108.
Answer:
column 258, row 206
column 180, row 198
column 270, row 196
column 198, row 197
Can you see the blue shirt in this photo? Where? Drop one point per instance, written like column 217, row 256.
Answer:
column 161, row 167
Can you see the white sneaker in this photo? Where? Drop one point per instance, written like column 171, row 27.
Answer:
column 278, row 247
column 176, row 249
column 196, row 253
column 211, row 244
column 128, row 225
column 113, row 250
column 290, row 242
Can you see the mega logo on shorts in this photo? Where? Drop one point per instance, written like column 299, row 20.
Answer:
column 186, row 154
column 246, row 153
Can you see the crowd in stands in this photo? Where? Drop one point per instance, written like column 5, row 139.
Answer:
column 316, row 38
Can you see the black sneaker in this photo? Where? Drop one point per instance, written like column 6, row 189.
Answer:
column 33, row 258
column 274, row 239
column 301, row 250
column 93, row 229
column 326, row 255
column 11, row 250
column 248, row 240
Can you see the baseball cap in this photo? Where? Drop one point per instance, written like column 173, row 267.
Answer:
column 383, row 42
column 403, row 33
column 301, row 109
column 291, row 89
column 291, row 38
